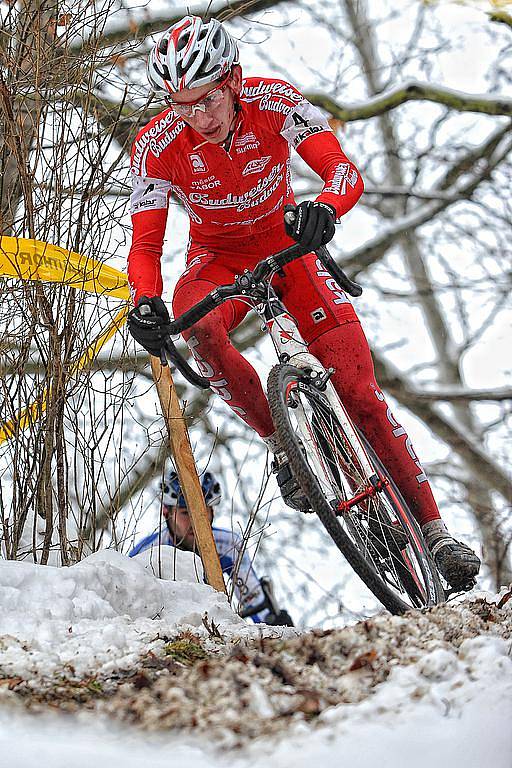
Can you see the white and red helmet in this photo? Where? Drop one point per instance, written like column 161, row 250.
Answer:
column 189, row 54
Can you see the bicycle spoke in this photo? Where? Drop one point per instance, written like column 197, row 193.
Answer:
column 389, row 562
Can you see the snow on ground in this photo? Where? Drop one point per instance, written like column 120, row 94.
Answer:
column 423, row 689
column 475, row 736
column 98, row 615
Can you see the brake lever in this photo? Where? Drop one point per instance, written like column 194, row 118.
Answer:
column 343, row 280
column 170, row 354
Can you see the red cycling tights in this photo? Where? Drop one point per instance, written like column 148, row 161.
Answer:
column 330, row 326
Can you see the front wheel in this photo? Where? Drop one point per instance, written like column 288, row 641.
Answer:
column 350, row 490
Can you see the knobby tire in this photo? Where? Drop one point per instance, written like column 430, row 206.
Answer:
column 282, row 379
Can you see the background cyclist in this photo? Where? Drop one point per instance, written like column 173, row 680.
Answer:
column 255, row 596
column 222, row 147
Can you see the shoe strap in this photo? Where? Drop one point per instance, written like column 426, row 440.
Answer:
column 439, row 544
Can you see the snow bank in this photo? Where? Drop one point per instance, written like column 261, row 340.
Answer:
column 96, row 616
column 450, row 709
column 171, row 563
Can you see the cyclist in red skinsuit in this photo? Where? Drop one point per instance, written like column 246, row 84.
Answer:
column 223, row 149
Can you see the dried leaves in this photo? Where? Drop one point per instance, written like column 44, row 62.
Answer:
column 253, row 688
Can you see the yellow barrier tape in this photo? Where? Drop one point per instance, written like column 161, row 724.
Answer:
column 35, row 410
column 34, row 260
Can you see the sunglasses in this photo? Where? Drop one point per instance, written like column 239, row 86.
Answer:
column 207, row 103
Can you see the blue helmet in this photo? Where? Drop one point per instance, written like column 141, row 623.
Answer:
column 173, row 496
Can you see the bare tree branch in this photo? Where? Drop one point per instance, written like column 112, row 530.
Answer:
column 464, row 444
column 137, row 32
column 464, row 395
column 413, row 91
column 371, row 252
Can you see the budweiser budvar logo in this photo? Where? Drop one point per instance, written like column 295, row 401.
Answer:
column 250, row 92
column 254, row 196
column 155, row 139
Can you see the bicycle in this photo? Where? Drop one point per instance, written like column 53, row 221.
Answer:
column 346, row 484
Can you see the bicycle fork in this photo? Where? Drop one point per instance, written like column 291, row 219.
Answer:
column 291, row 348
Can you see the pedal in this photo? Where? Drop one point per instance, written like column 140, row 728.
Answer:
column 467, row 587
column 292, row 494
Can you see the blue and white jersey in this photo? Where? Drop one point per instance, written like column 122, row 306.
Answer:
column 234, row 559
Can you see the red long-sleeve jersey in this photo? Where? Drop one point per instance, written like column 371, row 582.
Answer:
column 234, row 197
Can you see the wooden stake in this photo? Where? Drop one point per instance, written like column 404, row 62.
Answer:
column 187, row 473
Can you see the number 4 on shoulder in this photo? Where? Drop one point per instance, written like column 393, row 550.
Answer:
column 299, row 120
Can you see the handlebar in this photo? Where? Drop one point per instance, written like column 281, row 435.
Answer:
column 222, row 293
column 170, row 351
column 268, row 603
column 203, row 307
column 262, row 271
column 172, row 355
column 343, row 280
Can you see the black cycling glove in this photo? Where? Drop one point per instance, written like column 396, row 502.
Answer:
column 150, row 329
column 279, row 619
column 314, row 224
